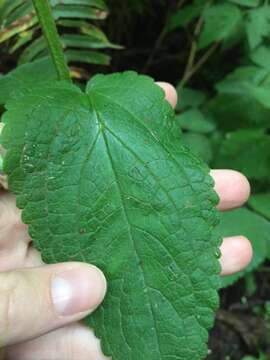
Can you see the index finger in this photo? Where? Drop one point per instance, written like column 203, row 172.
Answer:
column 170, row 92
column 3, row 179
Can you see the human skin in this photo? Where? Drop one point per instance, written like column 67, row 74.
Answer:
column 41, row 305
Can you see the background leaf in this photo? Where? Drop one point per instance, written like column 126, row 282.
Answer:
column 258, row 25
column 196, row 121
column 19, row 25
column 221, row 21
column 255, row 228
column 247, row 151
column 248, row 3
column 261, row 204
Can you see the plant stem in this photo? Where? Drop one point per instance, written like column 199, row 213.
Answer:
column 160, row 38
column 198, row 65
column 191, row 67
column 193, row 49
column 47, row 23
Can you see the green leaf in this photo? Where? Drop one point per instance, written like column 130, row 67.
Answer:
column 221, row 21
column 261, row 357
column 258, row 25
column 239, row 104
column 261, row 204
column 86, row 42
column 26, row 76
column 236, row 82
column 195, row 120
column 261, row 94
column 25, row 23
column 255, row 228
column 199, row 144
column 261, row 57
column 248, row 3
column 78, row 11
column 184, row 16
column 101, row 177
column 247, row 151
column 235, row 111
column 7, row 8
column 90, row 57
column 189, row 98
column 23, row 38
column 21, row 9
column 250, row 85
column 19, row 21
column 94, row 3
column 36, row 49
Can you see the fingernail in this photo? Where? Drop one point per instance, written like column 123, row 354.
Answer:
column 78, row 290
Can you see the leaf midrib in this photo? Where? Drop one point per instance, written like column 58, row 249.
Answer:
column 112, row 101
column 102, row 132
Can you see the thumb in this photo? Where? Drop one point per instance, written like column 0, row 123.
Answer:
column 37, row 300
column 3, row 178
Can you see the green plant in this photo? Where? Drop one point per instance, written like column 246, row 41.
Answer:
column 224, row 109
column 19, row 28
column 118, row 150
column 261, row 357
column 218, row 53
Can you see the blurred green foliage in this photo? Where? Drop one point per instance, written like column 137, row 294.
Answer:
column 217, row 54
column 78, row 23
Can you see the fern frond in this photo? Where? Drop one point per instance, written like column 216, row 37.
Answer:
column 19, row 28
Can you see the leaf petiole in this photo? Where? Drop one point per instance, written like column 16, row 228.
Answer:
column 47, row 23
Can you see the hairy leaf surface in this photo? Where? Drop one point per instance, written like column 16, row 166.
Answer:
column 102, row 177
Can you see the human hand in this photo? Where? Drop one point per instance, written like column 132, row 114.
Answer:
column 37, row 322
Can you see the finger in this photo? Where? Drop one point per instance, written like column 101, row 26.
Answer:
column 3, row 179
column 82, row 344
column 33, row 258
column 14, row 239
column 35, row 301
column 232, row 188
column 236, row 254
column 170, row 92
column 73, row 342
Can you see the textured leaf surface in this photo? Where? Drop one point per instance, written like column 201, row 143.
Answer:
column 102, row 178
column 26, row 76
